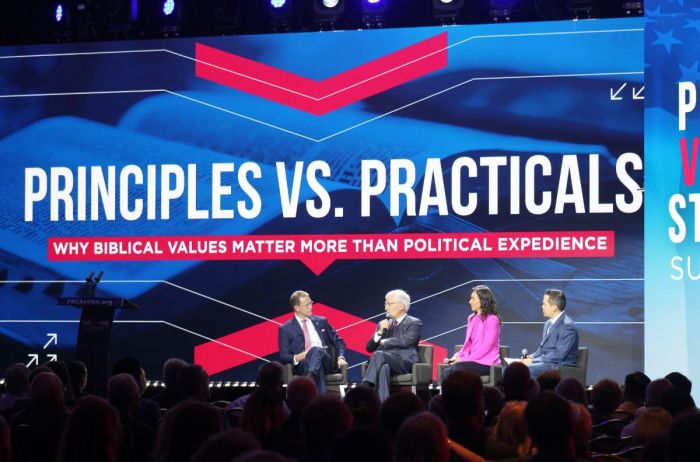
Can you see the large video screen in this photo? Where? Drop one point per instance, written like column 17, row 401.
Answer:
column 209, row 178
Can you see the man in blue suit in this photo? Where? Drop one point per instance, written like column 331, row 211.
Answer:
column 305, row 339
column 394, row 345
column 559, row 345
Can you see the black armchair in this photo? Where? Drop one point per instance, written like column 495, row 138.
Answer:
column 421, row 374
column 495, row 375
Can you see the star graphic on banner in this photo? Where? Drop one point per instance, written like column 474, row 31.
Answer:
column 689, row 74
column 692, row 24
column 655, row 13
column 666, row 39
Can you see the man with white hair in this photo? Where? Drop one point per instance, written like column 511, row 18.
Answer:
column 394, row 345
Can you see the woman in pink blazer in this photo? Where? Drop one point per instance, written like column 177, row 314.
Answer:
column 480, row 350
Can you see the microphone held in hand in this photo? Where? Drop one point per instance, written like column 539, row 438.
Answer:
column 384, row 329
column 523, row 354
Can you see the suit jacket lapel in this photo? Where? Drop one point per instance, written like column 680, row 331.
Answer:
column 554, row 327
column 400, row 328
column 297, row 329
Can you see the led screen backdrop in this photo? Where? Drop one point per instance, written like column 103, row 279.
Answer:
column 209, row 178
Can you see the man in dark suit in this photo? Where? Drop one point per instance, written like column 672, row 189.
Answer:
column 394, row 345
column 559, row 345
column 305, row 339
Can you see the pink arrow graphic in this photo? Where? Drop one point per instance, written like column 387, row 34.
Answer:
column 321, row 97
column 260, row 340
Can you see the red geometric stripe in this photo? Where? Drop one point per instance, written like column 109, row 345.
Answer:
column 321, row 97
column 261, row 340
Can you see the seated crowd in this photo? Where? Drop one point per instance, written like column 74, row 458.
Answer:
column 46, row 416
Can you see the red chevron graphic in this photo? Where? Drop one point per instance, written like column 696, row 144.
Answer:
column 261, row 340
column 321, row 97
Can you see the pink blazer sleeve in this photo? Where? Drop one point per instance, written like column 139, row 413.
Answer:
column 461, row 353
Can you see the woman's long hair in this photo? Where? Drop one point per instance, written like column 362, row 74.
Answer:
column 488, row 301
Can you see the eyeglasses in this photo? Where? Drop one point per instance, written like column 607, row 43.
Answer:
column 391, row 303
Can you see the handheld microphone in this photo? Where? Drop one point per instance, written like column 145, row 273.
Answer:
column 523, row 354
column 387, row 316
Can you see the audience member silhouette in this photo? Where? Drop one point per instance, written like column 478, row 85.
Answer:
column 77, row 371
column 679, row 380
column 493, row 402
column 550, row 423
column 36, row 371
column 92, row 433
column 570, row 388
column 138, row 438
column 517, row 382
column 422, row 438
column 149, row 411
column 397, row 408
column 61, row 370
column 16, row 385
column 226, row 446
column 464, row 407
column 512, row 429
column 5, row 441
column 437, row 407
column 583, row 428
column 323, row 420
column 183, row 430
column 652, row 425
column 683, row 441
column 548, row 428
column 263, row 416
column 270, row 377
column 261, row 456
column 172, row 394
column 300, row 392
column 633, row 395
column 193, row 380
column 548, row 380
column 365, row 406
column 654, row 391
column 23, row 403
column 676, row 400
column 605, row 398
column 37, row 429
column 365, row 443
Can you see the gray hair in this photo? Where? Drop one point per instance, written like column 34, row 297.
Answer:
column 401, row 296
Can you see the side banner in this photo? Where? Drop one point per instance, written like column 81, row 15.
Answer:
column 210, row 178
column 672, row 231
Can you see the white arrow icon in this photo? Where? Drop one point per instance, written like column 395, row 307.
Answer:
column 614, row 96
column 637, row 94
column 34, row 359
column 52, row 338
column 52, row 357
